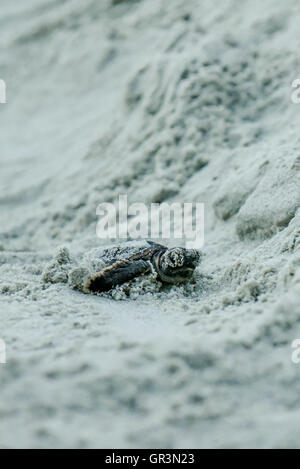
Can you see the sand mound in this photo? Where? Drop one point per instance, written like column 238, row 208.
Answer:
column 162, row 101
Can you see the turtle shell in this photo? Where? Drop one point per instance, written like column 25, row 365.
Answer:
column 119, row 264
column 99, row 258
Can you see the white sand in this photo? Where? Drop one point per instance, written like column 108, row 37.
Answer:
column 164, row 101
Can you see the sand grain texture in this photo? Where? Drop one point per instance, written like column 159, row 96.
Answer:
column 164, row 101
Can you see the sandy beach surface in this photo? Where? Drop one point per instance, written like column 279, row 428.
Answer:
column 165, row 102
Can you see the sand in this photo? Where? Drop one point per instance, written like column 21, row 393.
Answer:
column 165, row 102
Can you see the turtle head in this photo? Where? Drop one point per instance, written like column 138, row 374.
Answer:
column 176, row 265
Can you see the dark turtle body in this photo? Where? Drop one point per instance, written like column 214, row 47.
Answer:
column 125, row 263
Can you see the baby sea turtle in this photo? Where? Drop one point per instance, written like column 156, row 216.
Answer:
column 172, row 266
column 102, row 270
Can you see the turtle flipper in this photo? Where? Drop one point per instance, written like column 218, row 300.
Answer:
column 116, row 274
